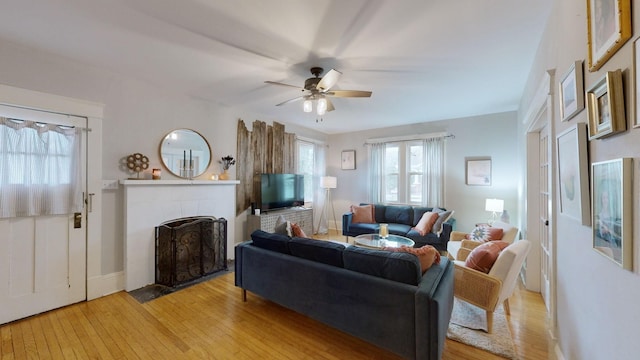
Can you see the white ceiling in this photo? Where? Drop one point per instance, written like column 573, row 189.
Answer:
column 424, row 60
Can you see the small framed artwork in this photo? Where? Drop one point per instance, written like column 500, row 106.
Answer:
column 612, row 201
column 348, row 160
column 573, row 173
column 605, row 103
column 478, row 171
column 636, row 83
column 608, row 28
column 572, row 92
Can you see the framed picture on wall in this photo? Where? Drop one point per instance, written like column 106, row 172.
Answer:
column 348, row 160
column 608, row 28
column 605, row 103
column 572, row 92
column 636, row 82
column 573, row 173
column 478, row 171
column 612, row 200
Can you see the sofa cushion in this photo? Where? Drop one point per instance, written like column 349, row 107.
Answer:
column 283, row 226
column 326, row 252
column 398, row 229
column 363, row 214
column 427, row 255
column 443, row 216
column 484, row 256
column 418, row 211
column 297, row 231
column 396, row 266
column 378, row 211
column 399, row 214
column 273, row 242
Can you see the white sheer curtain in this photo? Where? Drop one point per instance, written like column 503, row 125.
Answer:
column 376, row 173
column 433, row 176
column 40, row 173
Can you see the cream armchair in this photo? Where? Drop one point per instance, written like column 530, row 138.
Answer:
column 458, row 241
column 487, row 291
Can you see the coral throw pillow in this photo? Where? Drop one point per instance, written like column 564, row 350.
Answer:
column 426, row 222
column 297, row 231
column 484, row 256
column 363, row 214
column 485, row 233
column 427, row 255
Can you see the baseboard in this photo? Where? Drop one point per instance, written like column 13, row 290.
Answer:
column 103, row 285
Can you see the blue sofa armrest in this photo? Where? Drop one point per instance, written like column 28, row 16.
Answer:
column 346, row 222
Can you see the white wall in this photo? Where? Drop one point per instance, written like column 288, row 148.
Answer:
column 596, row 300
column 489, row 135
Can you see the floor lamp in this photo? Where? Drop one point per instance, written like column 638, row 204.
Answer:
column 327, row 183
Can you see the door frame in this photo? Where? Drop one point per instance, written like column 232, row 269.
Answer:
column 540, row 114
column 14, row 96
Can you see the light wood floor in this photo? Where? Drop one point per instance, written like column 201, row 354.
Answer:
column 209, row 321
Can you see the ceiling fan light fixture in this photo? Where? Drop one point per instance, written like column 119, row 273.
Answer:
column 307, row 106
column 322, row 106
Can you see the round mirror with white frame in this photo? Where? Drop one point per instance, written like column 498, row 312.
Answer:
column 185, row 153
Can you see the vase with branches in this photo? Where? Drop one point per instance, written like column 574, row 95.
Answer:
column 226, row 162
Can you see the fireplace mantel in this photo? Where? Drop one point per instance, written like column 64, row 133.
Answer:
column 148, row 203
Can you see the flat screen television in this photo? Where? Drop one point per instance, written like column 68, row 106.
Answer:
column 281, row 191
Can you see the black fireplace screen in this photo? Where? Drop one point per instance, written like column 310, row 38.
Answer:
column 189, row 248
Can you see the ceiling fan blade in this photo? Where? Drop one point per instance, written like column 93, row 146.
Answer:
column 283, row 84
column 349, row 93
column 330, row 105
column 290, row 100
column 328, row 80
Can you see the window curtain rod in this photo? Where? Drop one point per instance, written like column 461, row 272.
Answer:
column 409, row 138
column 47, row 112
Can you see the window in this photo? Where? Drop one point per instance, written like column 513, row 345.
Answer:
column 408, row 172
column 306, row 162
column 403, row 172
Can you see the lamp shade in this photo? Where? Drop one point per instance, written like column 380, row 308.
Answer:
column 495, row 205
column 307, row 106
column 328, row 182
column 322, row 106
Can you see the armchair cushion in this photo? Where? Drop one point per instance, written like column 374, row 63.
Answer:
column 485, row 233
column 484, row 256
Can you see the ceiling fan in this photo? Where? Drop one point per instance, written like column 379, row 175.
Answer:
column 319, row 89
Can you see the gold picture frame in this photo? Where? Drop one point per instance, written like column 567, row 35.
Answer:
column 608, row 28
column 612, row 203
column 605, row 102
column 478, row 171
column 636, row 82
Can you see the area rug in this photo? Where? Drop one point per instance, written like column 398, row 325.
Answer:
column 469, row 324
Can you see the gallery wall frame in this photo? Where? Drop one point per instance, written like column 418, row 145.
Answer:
column 573, row 173
column 605, row 104
column 608, row 28
column 478, row 171
column 572, row 91
column 348, row 160
column 612, row 201
column 636, row 82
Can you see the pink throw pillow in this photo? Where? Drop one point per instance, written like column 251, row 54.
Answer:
column 426, row 222
column 427, row 255
column 297, row 231
column 363, row 214
column 484, row 256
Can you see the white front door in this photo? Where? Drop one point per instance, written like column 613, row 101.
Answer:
column 42, row 258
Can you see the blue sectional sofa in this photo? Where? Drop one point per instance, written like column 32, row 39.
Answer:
column 401, row 218
column 379, row 296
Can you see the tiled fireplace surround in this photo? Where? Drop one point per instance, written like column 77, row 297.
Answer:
column 148, row 203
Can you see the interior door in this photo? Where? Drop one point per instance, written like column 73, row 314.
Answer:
column 43, row 258
column 543, row 223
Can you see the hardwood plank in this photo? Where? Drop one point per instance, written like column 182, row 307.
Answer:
column 209, row 320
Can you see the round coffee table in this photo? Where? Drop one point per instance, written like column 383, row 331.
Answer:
column 376, row 241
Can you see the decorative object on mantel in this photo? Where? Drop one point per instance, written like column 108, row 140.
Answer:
column 137, row 163
column 156, row 174
column 226, row 162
